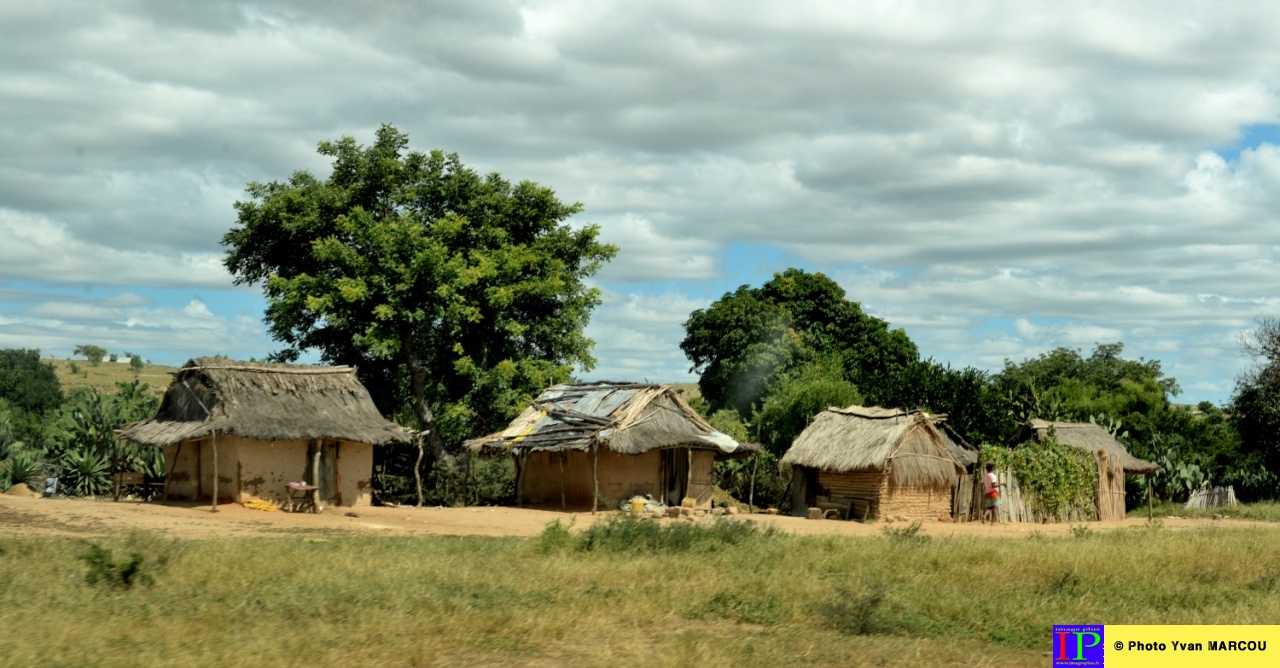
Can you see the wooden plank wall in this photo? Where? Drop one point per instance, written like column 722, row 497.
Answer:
column 701, row 482
column 1018, row 504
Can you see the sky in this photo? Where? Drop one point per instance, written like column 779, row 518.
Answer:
column 997, row 179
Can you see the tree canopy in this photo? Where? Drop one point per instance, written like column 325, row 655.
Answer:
column 27, row 383
column 467, row 290
column 746, row 342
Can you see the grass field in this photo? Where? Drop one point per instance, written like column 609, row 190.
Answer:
column 620, row 594
column 1263, row 511
column 105, row 376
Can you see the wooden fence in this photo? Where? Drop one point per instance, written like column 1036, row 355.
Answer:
column 1016, row 504
column 1217, row 497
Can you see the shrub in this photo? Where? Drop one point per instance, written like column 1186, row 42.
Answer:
column 908, row 535
column 857, row 613
column 136, row 569
column 624, row 533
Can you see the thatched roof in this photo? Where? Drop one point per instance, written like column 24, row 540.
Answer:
column 627, row 418
column 907, row 443
column 1087, row 436
column 268, row 402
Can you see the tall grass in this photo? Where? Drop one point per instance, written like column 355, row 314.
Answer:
column 725, row 597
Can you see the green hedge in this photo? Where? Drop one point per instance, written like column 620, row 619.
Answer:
column 1060, row 477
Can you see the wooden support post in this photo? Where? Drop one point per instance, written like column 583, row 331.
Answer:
column 315, row 478
column 168, row 471
column 214, row 507
column 751, row 496
column 595, row 478
column 521, row 474
column 564, row 454
column 337, row 472
column 688, row 479
column 1148, row 497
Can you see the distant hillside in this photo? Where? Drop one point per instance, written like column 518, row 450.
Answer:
column 106, row 375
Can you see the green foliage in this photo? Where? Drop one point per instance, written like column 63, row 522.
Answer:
column 1059, row 477
column 1256, row 413
column 744, row 607
column 749, row 339
column 797, row 399
column 136, row 569
column 22, row 466
column 734, row 477
column 135, row 363
column 28, row 384
column 858, row 612
column 728, row 422
column 459, row 296
column 94, row 354
column 908, row 535
column 624, row 533
column 972, row 403
column 82, row 445
column 84, row 473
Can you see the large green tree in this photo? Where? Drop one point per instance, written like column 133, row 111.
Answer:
column 748, row 341
column 457, row 294
column 1256, row 408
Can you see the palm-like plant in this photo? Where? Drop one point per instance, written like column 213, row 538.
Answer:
column 25, row 466
column 86, row 473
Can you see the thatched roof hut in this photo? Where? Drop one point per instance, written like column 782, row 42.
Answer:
column 905, row 443
column 622, row 438
column 889, row 462
column 242, row 430
column 1086, row 436
column 627, row 418
column 265, row 402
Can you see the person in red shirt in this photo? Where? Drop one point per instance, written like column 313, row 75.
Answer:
column 991, row 492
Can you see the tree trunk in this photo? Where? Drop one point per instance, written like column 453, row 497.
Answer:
column 418, row 386
column 417, row 472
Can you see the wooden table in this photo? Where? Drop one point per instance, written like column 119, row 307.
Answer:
column 302, row 497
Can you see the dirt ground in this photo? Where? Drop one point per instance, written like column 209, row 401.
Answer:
column 86, row 517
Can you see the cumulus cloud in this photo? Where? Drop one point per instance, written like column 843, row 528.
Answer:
column 1055, row 165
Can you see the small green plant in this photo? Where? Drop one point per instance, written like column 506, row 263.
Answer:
column 1155, row 524
column 135, row 363
column 1081, row 531
column 1065, row 583
column 856, row 613
column 555, row 537
column 764, row 610
column 624, row 533
column 75, row 368
column 24, row 466
column 103, row 569
column 908, row 535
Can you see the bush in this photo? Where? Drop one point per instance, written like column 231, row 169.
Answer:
column 908, row 535
column 28, row 384
column 624, row 533
column 734, row 476
column 137, row 568
column 857, row 613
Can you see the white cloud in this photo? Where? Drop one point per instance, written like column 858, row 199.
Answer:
column 956, row 165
